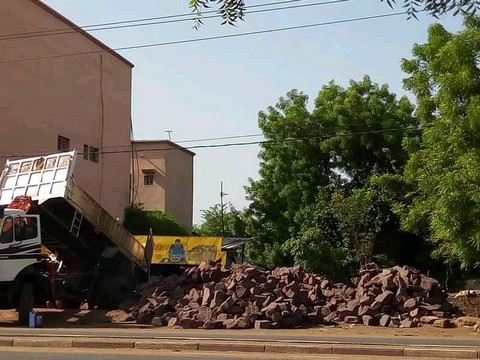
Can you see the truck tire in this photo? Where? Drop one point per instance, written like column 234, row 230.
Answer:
column 25, row 303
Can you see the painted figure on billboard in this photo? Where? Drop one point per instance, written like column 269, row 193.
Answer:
column 176, row 253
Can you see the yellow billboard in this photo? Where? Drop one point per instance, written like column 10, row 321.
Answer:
column 185, row 250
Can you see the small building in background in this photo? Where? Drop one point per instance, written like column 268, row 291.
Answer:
column 162, row 178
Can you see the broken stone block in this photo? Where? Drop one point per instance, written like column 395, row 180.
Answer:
column 443, row 323
column 330, row 317
column 263, row 324
column 144, row 318
column 410, row 304
column 368, row 320
column 157, row 321
column 385, row 320
column 408, row 323
column 428, row 319
column 207, row 296
column 351, row 319
column 218, row 298
column 467, row 321
column 173, row 322
column 366, row 310
column 366, row 299
column 440, row 314
column 190, row 324
column 385, row 298
column 204, row 313
column 213, row 324
column 227, row 304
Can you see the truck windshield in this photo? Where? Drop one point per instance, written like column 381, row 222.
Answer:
column 6, row 236
column 24, row 228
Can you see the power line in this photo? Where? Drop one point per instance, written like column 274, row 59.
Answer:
column 260, row 142
column 192, row 140
column 154, row 20
column 217, row 138
column 208, row 38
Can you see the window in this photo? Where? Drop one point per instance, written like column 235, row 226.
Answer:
column 7, row 231
column 148, row 179
column 94, row 154
column 63, row 143
column 25, row 228
column 86, row 152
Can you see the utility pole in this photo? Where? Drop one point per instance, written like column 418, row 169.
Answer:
column 169, row 132
column 222, row 194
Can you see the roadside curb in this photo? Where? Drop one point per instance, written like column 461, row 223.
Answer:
column 245, row 346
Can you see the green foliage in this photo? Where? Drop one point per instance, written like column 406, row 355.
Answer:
column 234, row 222
column 351, row 134
column 437, row 8
column 443, row 171
column 231, row 11
column 361, row 216
column 138, row 222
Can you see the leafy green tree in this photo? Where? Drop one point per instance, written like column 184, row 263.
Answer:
column 351, row 134
column 443, row 172
column 138, row 222
column 234, row 222
column 232, row 11
column 361, row 216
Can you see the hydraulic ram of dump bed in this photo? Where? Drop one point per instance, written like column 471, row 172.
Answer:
column 50, row 177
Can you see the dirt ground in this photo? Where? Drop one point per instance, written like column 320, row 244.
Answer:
column 71, row 317
column 54, row 318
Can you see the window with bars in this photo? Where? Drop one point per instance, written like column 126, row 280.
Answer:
column 86, row 152
column 91, row 153
column 94, row 154
column 148, row 179
column 63, row 143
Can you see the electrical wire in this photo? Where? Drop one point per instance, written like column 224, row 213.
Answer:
column 260, row 142
column 208, row 38
column 75, row 29
column 194, row 140
column 86, row 27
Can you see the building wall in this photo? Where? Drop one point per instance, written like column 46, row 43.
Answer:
column 86, row 98
column 172, row 188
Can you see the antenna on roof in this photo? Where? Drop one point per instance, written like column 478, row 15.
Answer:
column 169, row 132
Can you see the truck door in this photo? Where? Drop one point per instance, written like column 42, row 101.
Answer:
column 20, row 245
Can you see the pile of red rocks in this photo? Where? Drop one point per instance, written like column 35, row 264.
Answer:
column 398, row 296
column 212, row 297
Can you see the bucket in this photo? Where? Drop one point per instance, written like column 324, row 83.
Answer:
column 35, row 319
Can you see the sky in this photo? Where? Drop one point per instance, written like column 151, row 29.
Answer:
column 210, row 89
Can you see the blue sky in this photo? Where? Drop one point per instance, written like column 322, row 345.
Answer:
column 216, row 88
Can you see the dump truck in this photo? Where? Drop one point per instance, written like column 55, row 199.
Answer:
column 58, row 245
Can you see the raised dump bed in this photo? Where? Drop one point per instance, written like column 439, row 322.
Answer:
column 48, row 181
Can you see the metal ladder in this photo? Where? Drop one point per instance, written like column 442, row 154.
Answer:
column 76, row 223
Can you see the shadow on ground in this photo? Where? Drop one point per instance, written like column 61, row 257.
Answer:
column 56, row 318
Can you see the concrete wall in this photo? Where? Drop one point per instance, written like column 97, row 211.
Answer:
column 86, row 98
column 172, row 188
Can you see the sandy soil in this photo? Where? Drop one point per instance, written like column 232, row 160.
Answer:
column 54, row 318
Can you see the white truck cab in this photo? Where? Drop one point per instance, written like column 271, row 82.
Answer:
column 20, row 242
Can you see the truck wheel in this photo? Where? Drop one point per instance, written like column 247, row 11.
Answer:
column 25, row 303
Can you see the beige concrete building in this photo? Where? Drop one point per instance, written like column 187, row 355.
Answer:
column 65, row 90
column 162, row 178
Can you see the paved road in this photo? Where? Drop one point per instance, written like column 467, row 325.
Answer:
column 272, row 335
column 71, row 354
